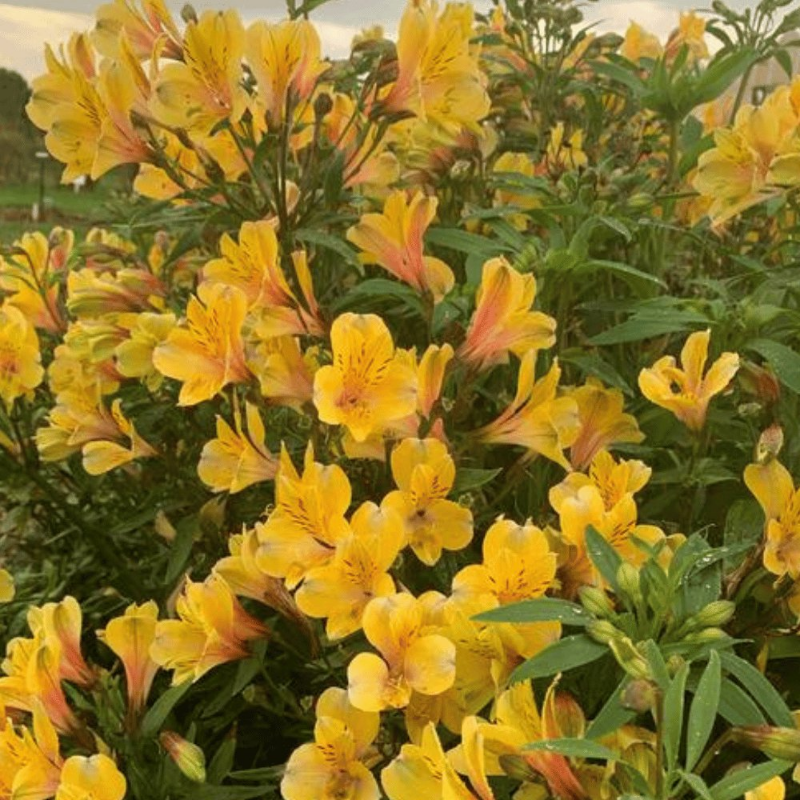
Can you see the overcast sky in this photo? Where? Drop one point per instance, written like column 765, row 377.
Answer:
column 26, row 26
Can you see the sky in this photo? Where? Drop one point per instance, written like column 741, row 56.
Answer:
column 26, row 26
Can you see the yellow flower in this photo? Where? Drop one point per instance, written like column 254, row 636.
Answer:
column 60, row 626
column 253, row 265
column 423, row 770
column 91, row 778
column 285, row 374
column 694, row 390
column 129, row 637
column 565, row 154
column 100, row 455
column 285, row 58
column 237, row 459
column 30, row 272
column 134, row 356
column 537, row 419
column 639, row 44
column 393, row 240
column 424, row 474
column 524, row 197
column 438, row 78
column 412, row 657
column 332, row 766
column 308, row 521
column 602, row 422
column 96, row 295
column 205, row 88
column 691, row 33
column 368, row 385
column 145, row 29
column 773, row 789
column 7, row 588
column 209, row 354
column 430, row 376
column 30, row 762
column 340, row 590
column 503, row 322
column 213, row 629
column 20, row 361
column 772, row 486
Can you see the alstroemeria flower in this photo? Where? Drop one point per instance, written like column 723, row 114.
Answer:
column 503, row 322
column 213, row 629
column 91, row 778
column 424, row 473
column 602, row 422
column 205, row 88
column 340, row 590
column 393, row 240
column 209, row 353
column 308, row 521
column 368, row 385
column 145, row 29
column 129, row 637
column 332, row 766
column 537, row 418
column 639, row 44
column 686, row 391
column 412, row 657
column 237, row 458
column 285, row 373
column 20, row 361
column 773, row 487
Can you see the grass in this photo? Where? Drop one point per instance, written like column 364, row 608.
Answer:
column 63, row 206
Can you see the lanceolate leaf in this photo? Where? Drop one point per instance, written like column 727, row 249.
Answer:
column 561, row 656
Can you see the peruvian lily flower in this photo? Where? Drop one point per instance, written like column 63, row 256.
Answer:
column 333, row 765
column 285, row 373
column 424, row 473
column 129, row 637
column 773, row 487
column 368, row 385
column 91, row 778
column 213, row 629
column 237, row 459
column 536, row 419
column 412, row 656
column 393, row 240
column 686, row 391
column 146, row 29
column 209, row 353
column 308, row 521
column 340, row 590
column 20, row 361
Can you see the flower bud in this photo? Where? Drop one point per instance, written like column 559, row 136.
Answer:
column 603, row 631
column 517, row 768
column 769, row 444
column 781, row 743
column 595, row 601
column 629, row 658
column 713, row 615
column 323, row 105
column 628, row 580
column 705, row 635
column 639, row 696
column 188, row 757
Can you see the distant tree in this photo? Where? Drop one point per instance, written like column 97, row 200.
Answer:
column 19, row 138
column 14, row 94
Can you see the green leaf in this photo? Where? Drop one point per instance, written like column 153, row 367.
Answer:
column 697, row 783
column 622, row 71
column 208, row 792
column 784, row 360
column 721, row 72
column 672, row 724
column 541, row 609
column 733, row 786
column 636, row 329
column 737, row 707
column 600, row 265
column 612, row 716
column 328, row 242
column 468, row 479
column 222, row 762
column 603, row 556
column 378, row 289
column 658, row 666
column 464, row 242
column 181, row 548
column 154, row 718
column 592, row 364
column 576, row 748
column 563, row 655
column 761, row 690
column 703, row 710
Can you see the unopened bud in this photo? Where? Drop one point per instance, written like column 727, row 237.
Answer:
column 769, row 444
column 164, row 528
column 639, row 696
column 781, row 743
column 595, row 601
column 674, row 663
column 629, row 658
column 603, row 631
column 322, row 105
column 628, row 580
column 212, row 516
column 188, row 757
column 705, row 635
column 517, row 767
column 713, row 615
column 188, row 14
